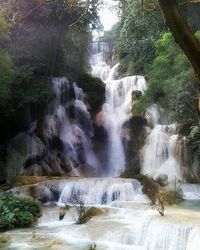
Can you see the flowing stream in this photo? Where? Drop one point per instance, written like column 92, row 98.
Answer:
column 126, row 221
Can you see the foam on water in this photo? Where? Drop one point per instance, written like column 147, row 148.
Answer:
column 102, row 191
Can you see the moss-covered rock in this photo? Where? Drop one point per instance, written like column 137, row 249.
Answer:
column 137, row 133
column 94, row 89
column 4, row 239
column 129, row 173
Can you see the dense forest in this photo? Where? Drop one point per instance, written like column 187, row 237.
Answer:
column 144, row 45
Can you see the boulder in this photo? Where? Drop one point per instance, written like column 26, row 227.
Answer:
column 38, row 191
column 34, row 170
column 24, row 150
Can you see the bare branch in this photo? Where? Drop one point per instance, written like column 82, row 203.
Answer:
column 83, row 14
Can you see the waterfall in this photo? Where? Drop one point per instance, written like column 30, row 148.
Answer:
column 69, row 120
column 191, row 191
column 102, row 191
column 158, row 154
column 151, row 234
column 116, row 109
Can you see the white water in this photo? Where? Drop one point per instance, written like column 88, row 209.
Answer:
column 191, row 191
column 130, row 225
column 74, row 133
column 127, row 222
column 102, row 191
column 158, row 154
column 116, row 109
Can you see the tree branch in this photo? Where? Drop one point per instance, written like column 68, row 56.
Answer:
column 83, row 14
column 152, row 6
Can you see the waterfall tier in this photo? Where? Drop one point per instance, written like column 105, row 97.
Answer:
column 102, row 191
column 116, row 110
column 158, row 154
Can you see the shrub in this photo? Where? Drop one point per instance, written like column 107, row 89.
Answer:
column 17, row 212
column 159, row 196
column 84, row 213
column 92, row 246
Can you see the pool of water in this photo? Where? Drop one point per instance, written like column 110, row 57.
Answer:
column 121, row 226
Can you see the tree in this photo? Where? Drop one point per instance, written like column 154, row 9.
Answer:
column 43, row 26
column 181, row 32
column 84, row 213
column 138, row 32
column 159, row 196
column 44, row 37
column 6, row 71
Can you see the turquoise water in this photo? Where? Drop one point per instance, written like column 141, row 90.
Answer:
column 193, row 205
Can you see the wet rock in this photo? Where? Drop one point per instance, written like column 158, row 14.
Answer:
column 41, row 193
column 65, row 164
column 137, row 137
column 55, row 166
column 31, row 160
column 34, row 170
column 23, row 151
column 4, row 239
column 137, row 123
column 2, row 172
column 38, row 191
column 46, row 170
column 32, row 127
column 56, row 143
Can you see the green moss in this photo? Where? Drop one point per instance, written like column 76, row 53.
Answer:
column 128, row 173
column 94, row 89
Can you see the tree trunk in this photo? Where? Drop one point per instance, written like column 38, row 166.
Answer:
column 182, row 34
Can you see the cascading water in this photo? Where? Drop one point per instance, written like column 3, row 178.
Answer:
column 102, row 191
column 158, row 154
column 70, row 121
column 126, row 221
column 116, row 109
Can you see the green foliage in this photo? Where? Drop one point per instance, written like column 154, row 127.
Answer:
column 170, row 79
column 6, row 71
column 128, row 173
column 94, row 89
column 45, row 41
column 17, row 212
column 28, row 88
column 112, row 37
column 172, row 85
column 139, row 30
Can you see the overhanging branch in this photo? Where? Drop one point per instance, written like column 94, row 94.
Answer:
column 154, row 6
